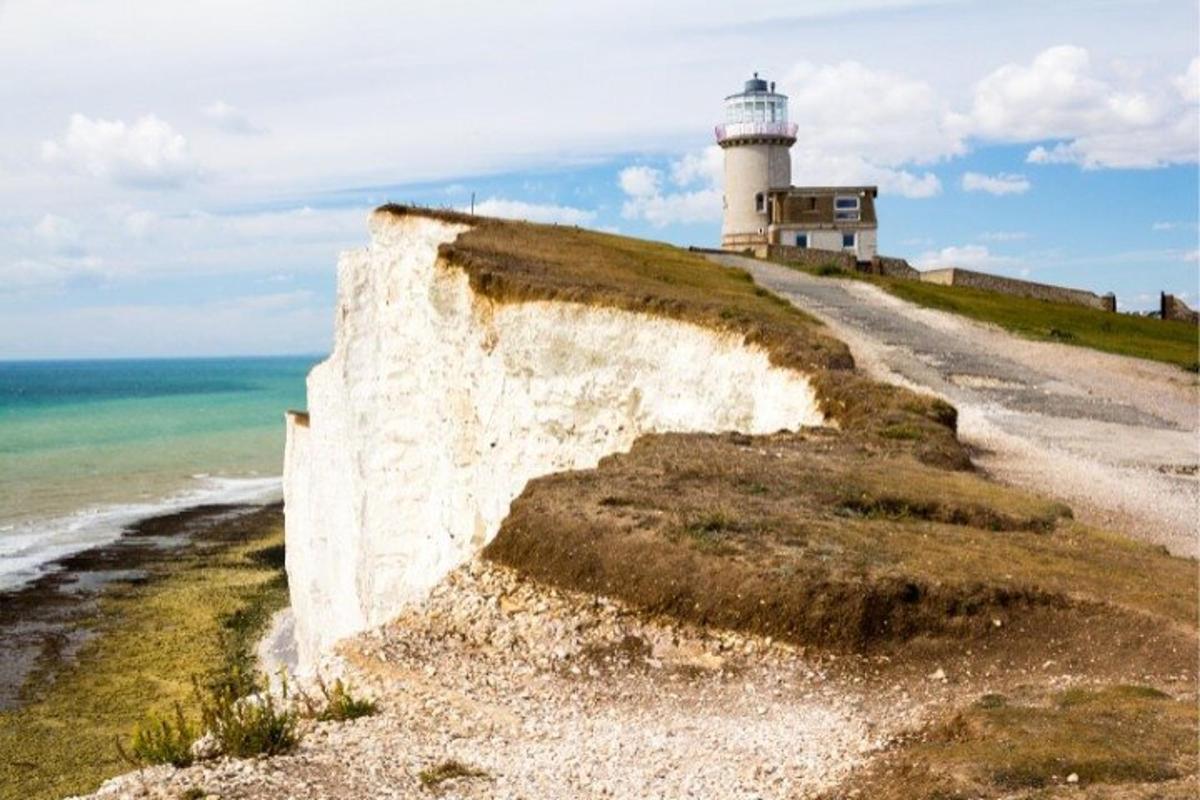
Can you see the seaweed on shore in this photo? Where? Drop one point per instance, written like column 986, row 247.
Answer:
column 198, row 611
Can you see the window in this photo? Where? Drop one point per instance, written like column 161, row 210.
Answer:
column 801, row 240
column 848, row 240
column 846, row 208
column 812, row 204
column 760, row 203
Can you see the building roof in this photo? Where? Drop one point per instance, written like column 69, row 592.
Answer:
column 871, row 190
column 814, row 205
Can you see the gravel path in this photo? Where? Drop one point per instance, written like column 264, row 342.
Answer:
column 552, row 694
column 1115, row 437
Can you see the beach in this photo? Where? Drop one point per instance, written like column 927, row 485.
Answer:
column 124, row 483
column 119, row 632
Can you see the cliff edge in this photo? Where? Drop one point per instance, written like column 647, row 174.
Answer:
column 439, row 403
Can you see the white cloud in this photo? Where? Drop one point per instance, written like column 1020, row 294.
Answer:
column 640, row 181
column 646, row 199
column 812, row 167
column 1191, row 255
column 139, row 223
column 1053, row 97
column 968, row 256
column 534, row 212
column 706, row 167
column 230, row 119
column 24, row 275
column 115, row 244
column 147, row 153
column 1174, row 226
column 850, row 109
column 288, row 322
column 1004, row 236
column 1118, row 119
column 58, row 233
column 1188, row 84
column 1004, row 183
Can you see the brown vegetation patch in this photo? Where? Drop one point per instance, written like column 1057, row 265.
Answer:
column 1112, row 741
column 449, row 770
column 811, row 537
column 510, row 261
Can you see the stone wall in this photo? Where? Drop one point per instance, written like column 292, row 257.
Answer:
column 893, row 268
column 812, row 257
column 1175, row 309
column 746, row 243
column 1038, row 291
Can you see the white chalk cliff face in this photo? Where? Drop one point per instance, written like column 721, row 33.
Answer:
column 438, row 405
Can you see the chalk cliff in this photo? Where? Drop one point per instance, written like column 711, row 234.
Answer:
column 438, row 404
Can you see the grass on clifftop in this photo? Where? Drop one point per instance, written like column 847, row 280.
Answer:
column 1168, row 341
column 510, row 261
column 197, row 616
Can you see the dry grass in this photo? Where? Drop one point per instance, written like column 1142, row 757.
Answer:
column 1131, row 737
column 517, row 261
column 810, row 537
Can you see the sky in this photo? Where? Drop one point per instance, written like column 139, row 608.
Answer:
column 179, row 178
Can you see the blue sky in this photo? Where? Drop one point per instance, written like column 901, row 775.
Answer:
column 179, row 178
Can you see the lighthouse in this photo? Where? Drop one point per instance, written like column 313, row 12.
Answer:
column 767, row 216
column 756, row 137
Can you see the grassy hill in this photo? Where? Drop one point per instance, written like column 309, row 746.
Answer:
column 1168, row 341
column 1142, row 337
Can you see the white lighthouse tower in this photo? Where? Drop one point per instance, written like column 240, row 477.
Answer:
column 756, row 137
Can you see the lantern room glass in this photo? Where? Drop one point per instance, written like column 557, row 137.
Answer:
column 749, row 108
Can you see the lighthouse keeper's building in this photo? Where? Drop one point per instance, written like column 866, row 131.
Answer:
column 761, row 207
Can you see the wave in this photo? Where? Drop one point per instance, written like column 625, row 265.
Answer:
column 30, row 549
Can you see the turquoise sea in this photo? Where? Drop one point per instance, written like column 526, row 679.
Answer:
column 86, row 447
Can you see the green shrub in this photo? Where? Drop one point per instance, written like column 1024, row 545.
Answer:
column 249, row 725
column 161, row 740
column 340, row 705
